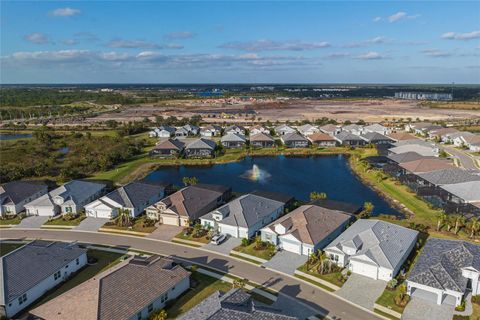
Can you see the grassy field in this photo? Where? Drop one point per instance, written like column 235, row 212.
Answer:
column 105, row 260
column 265, row 253
column 9, row 247
column 333, row 277
column 458, row 105
column 62, row 222
column 138, row 226
column 14, row 220
column 190, row 237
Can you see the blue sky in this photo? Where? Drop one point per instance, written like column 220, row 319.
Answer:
column 238, row 42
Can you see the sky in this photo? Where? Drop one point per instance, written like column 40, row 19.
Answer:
column 240, row 42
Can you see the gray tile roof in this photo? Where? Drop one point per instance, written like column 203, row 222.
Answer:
column 17, row 191
column 131, row 288
column 233, row 137
column 468, row 191
column 345, row 136
column 202, row 144
column 375, row 136
column 27, row 266
column 233, row 305
column 407, row 157
column 293, row 136
column 417, row 142
column 450, row 176
column 171, row 144
column 441, row 261
column 383, row 242
column 246, row 210
column 135, row 194
column 261, row 137
column 426, row 151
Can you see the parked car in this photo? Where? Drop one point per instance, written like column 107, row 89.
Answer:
column 218, row 239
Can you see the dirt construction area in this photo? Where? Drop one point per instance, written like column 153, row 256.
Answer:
column 293, row 109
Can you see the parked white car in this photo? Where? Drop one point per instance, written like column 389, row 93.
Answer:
column 218, row 239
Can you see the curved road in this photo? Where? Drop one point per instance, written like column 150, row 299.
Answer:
column 325, row 303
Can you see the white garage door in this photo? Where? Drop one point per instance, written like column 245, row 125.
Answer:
column 100, row 214
column 173, row 221
column 364, row 269
column 290, row 246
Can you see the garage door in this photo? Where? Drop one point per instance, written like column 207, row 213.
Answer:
column 173, row 221
column 364, row 269
column 290, row 246
column 102, row 214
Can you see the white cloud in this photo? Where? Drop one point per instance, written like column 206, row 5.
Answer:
column 372, row 41
column 269, row 45
column 65, row 12
column 397, row 16
column 180, row 35
column 461, row 36
column 372, row 55
column 131, row 44
column 377, row 19
column 37, row 38
column 69, row 42
column 337, row 55
column 434, row 53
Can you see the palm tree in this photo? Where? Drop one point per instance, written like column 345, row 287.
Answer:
column 440, row 220
column 322, row 257
column 123, row 219
column 473, row 226
column 459, row 222
column 367, row 210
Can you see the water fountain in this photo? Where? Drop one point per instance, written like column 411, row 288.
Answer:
column 256, row 174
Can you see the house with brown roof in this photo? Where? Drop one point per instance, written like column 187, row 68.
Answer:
column 331, row 129
column 425, row 165
column 131, row 290
column 168, row 148
column 189, row 204
column 306, row 229
column 261, row 140
column 401, row 136
column 322, row 140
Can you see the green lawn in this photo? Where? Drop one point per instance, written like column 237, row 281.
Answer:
column 138, row 226
column 387, row 299
column 333, row 277
column 266, row 253
column 105, row 260
column 62, row 222
column 190, row 237
column 14, row 220
column 9, row 247
column 206, row 286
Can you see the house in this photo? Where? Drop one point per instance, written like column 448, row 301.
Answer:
column 373, row 248
column 189, row 204
column 463, row 192
column 472, row 142
column 308, row 129
column 131, row 290
column 134, row 197
column 425, row 165
column 377, row 128
column 33, row 269
column 233, row 141
column 439, row 134
column 346, row 138
column 16, row 194
column 168, row 148
column 201, row 148
column 331, row 129
column 235, row 304
column 445, row 272
column 354, row 129
column 191, row 129
column 407, row 157
column 418, row 128
column 235, row 129
column 258, row 129
column 294, row 140
column 306, row 229
column 322, row 140
column 376, row 138
column 162, row 132
column 426, row 151
column 401, row 136
column 243, row 216
column 211, row 131
column 451, row 175
column 69, row 198
column 181, row 133
column 283, row 129
column 262, row 140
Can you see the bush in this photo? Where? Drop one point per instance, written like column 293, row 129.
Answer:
column 461, row 307
column 392, row 284
column 401, row 300
column 69, row 216
column 148, row 222
column 245, row 242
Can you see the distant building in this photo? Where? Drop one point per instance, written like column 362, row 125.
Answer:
column 424, row 96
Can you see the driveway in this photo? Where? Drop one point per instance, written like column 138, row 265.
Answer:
column 362, row 290
column 91, row 224
column 32, row 222
column 165, row 232
column 418, row 308
column 225, row 247
column 466, row 160
column 286, row 262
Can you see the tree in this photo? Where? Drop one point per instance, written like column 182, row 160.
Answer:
column 158, row 315
column 123, row 219
column 367, row 210
column 189, row 181
column 459, row 222
column 322, row 257
column 473, row 225
column 314, row 195
column 441, row 217
column 239, row 283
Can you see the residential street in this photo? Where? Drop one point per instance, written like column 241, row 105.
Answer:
column 325, row 303
column 466, row 161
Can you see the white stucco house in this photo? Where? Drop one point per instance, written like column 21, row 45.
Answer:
column 377, row 128
column 306, row 229
column 445, row 271
column 308, row 129
column 134, row 197
column 69, row 198
column 373, row 248
column 16, row 194
column 31, row 270
column 244, row 216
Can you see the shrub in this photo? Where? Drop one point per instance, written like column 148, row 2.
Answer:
column 392, row 284
column 461, row 307
column 401, row 300
column 148, row 222
column 245, row 242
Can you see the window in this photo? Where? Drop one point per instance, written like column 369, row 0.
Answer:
column 66, row 267
column 22, row 299
column 77, row 261
column 56, row 275
column 150, row 308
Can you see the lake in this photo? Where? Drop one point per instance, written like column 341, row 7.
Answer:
column 14, row 136
column 296, row 176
